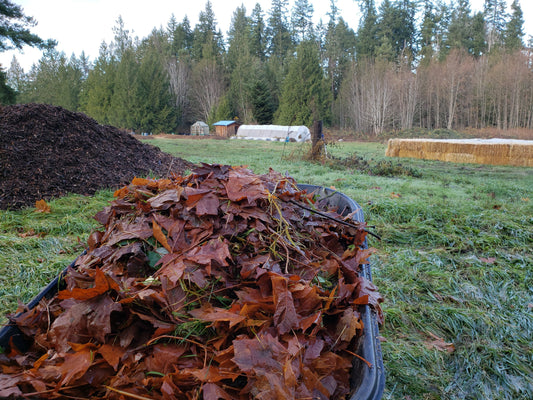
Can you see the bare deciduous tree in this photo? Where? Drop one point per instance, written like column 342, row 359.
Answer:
column 208, row 87
column 179, row 73
column 406, row 90
column 369, row 96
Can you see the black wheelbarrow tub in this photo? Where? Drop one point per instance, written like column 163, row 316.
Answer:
column 367, row 382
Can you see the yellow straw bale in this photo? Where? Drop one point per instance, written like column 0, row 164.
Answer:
column 478, row 151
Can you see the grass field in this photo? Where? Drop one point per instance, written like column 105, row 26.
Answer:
column 455, row 262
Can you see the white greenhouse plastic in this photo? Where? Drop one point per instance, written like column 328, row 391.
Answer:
column 274, row 132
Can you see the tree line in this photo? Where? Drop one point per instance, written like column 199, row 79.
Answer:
column 430, row 64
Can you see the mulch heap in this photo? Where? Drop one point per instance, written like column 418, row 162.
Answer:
column 47, row 152
column 221, row 284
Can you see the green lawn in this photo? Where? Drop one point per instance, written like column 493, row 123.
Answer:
column 455, row 261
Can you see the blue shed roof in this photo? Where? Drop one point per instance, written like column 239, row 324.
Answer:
column 225, row 123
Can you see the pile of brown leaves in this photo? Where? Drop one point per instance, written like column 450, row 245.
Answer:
column 212, row 286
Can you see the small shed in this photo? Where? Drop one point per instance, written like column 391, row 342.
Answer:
column 199, row 128
column 226, row 128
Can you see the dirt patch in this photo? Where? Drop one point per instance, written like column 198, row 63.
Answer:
column 47, row 151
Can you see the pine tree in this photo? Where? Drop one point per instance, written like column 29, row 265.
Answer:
column 15, row 34
column 15, row 29
column 514, row 29
column 396, row 29
column 239, row 37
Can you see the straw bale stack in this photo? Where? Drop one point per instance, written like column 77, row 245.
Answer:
column 478, row 151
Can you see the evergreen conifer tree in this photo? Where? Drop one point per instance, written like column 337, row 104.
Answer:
column 304, row 96
column 156, row 112
column 279, row 37
column 7, row 94
column 258, row 43
column 495, row 17
column 302, row 20
column 367, row 33
column 514, row 29
column 99, row 86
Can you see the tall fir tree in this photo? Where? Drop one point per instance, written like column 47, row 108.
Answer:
column 427, row 33
column 156, row 112
column 16, row 77
column 15, row 33
column 478, row 44
column 367, row 33
column 55, row 80
column 207, row 40
column 495, row 17
column 122, row 40
column 242, row 65
column 258, row 41
column 8, row 95
column 263, row 103
column 181, row 36
column 339, row 49
column 100, row 85
column 302, row 20
column 305, row 95
column 124, row 108
column 514, row 29
column 278, row 31
column 460, row 30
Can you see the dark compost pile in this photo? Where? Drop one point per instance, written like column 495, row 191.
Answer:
column 47, row 151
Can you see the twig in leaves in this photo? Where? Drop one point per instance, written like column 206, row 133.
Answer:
column 359, row 357
column 340, row 221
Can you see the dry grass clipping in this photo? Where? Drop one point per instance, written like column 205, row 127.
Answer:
column 477, row 151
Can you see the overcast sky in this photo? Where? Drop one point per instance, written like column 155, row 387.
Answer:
column 83, row 24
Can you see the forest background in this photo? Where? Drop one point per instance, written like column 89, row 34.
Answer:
column 409, row 64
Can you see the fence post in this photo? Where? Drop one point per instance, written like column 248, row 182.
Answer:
column 317, row 142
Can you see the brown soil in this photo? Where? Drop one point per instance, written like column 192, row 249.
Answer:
column 47, row 152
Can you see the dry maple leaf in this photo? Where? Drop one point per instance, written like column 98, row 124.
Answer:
column 439, row 344
column 42, row 206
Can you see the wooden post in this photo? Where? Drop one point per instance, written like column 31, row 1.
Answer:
column 317, row 142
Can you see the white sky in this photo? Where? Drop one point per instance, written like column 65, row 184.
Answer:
column 83, row 24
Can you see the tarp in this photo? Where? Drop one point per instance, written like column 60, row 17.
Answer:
column 274, row 132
